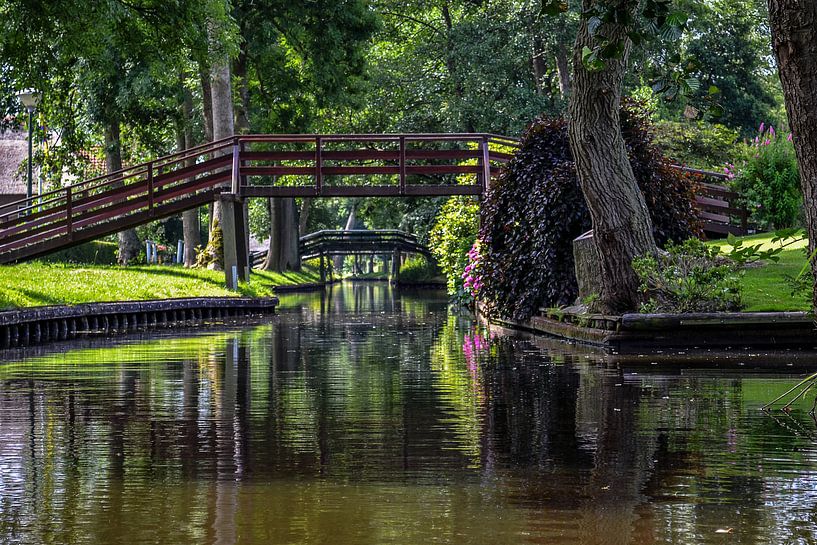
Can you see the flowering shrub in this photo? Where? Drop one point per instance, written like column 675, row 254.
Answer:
column 769, row 182
column 472, row 275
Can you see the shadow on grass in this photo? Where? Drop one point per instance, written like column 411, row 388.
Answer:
column 186, row 274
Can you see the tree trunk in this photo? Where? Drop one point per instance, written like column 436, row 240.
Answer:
column 242, row 114
column 190, row 218
column 273, row 261
column 303, row 216
column 563, row 69
column 284, row 252
column 206, row 101
column 621, row 221
column 350, row 224
column 222, row 96
column 129, row 244
column 538, row 64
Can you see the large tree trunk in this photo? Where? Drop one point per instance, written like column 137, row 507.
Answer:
column 794, row 40
column 621, row 221
column 273, row 261
column 223, row 127
column 129, row 244
column 283, row 254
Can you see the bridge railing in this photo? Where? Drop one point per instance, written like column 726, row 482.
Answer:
column 377, row 165
column 140, row 192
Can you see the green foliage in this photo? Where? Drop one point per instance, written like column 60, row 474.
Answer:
column 743, row 254
column 451, row 237
column 91, row 253
column 698, row 144
column 418, row 270
column 536, row 209
column 688, row 277
column 769, row 181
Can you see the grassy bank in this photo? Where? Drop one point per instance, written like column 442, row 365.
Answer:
column 36, row 283
column 765, row 287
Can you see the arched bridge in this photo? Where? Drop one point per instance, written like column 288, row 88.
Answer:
column 251, row 166
column 360, row 242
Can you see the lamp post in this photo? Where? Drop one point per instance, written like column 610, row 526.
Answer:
column 30, row 100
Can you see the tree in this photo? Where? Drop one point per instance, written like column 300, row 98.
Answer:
column 794, row 40
column 621, row 222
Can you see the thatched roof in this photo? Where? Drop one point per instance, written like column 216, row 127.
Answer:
column 13, row 151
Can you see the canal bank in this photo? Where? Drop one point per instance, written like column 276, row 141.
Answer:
column 639, row 333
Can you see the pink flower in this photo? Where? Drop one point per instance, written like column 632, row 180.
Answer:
column 771, row 130
column 761, row 128
column 789, row 137
column 767, row 142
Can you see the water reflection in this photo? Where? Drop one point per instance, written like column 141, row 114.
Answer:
column 367, row 415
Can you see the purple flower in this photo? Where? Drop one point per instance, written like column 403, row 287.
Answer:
column 771, row 130
column 761, row 128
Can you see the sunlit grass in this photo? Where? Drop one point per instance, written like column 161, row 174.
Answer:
column 765, row 286
column 35, row 283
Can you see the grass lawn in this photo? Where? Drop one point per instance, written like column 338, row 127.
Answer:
column 765, row 287
column 37, row 283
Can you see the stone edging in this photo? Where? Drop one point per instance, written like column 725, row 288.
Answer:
column 35, row 325
column 634, row 333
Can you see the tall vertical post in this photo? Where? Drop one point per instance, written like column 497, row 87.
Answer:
column 29, row 183
column 486, row 164
column 395, row 267
column 323, row 269
column 235, row 185
column 236, row 239
column 318, row 165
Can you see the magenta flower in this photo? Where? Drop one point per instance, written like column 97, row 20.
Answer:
column 761, row 128
column 789, row 137
column 771, row 130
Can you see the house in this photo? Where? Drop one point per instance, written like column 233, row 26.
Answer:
column 13, row 153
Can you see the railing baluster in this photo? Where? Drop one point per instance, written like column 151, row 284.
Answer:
column 318, row 165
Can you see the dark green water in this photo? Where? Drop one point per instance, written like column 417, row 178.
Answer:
column 372, row 417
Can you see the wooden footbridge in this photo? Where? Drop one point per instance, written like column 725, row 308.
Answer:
column 233, row 169
column 391, row 244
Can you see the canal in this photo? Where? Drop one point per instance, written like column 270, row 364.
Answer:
column 366, row 415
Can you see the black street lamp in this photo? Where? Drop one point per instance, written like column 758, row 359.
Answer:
column 30, row 100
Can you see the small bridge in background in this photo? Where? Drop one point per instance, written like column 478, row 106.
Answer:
column 391, row 244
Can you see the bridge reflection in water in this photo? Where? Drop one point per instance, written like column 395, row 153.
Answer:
column 370, row 415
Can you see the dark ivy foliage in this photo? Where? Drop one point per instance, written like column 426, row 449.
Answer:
column 536, row 208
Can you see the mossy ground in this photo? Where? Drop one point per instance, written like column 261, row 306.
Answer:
column 37, row 283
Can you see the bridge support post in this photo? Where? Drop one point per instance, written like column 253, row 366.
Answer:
column 323, row 269
column 235, row 231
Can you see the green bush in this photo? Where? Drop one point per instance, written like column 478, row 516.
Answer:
column 688, row 277
column 418, row 269
column 452, row 235
column 768, row 181
column 536, row 208
column 90, row 253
